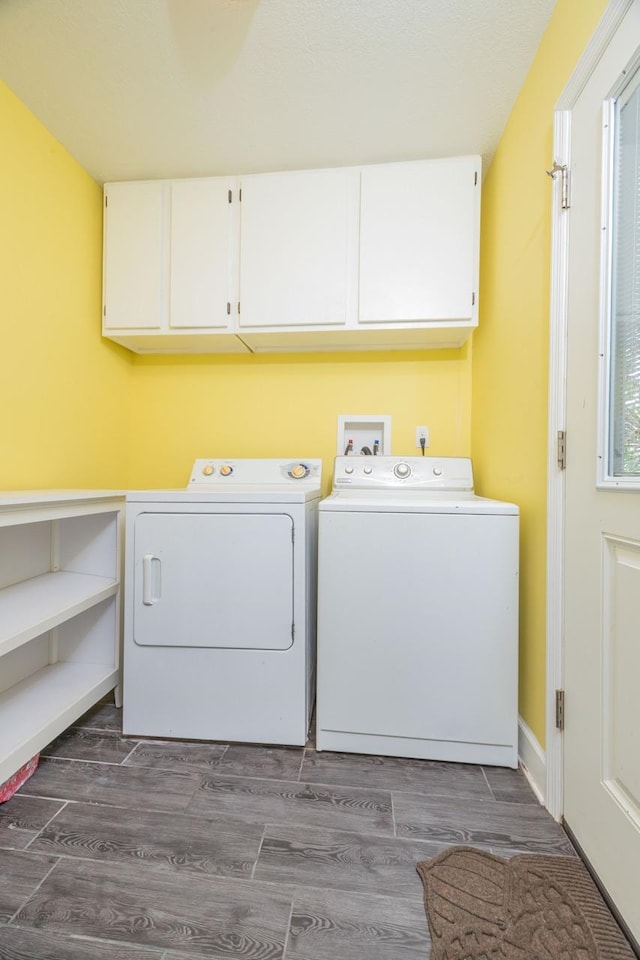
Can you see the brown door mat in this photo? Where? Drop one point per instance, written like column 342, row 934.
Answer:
column 482, row 907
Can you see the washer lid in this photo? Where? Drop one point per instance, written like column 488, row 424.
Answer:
column 413, row 501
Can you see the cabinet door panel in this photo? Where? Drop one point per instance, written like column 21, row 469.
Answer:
column 296, row 249
column 419, row 241
column 202, row 253
column 134, row 244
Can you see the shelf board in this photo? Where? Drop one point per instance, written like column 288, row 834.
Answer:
column 36, row 710
column 30, row 608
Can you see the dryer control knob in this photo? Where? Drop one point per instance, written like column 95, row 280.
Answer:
column 402, row 470
column 437, row 471
column 226, row 471
column 299, row 471
column 348, row 469
column 368, row 470
column 208, row 470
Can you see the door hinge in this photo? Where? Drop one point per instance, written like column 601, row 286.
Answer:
column 562, row 449
column 293, row 631
column 563, row 170
column 293, row 534
column 230, row 195
column 228, row 309
column 475, row 179
column 240, row 194
column 559, row 709
column 473, row 299
column 238, row 307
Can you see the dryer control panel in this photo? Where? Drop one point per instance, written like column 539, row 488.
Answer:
column 257, row 472
column 418, row 473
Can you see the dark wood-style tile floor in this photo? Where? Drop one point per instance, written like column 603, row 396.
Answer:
column 125, row 849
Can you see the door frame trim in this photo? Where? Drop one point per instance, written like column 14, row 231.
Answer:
column 558, row 326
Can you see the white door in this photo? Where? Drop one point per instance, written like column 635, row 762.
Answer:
column 203, row 253
column 134, row 239
column 297, row 248
column 602, row 533
column 419, row 241
column 222, row 580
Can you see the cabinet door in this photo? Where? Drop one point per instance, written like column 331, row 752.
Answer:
column 297, row 243
column 203, row 253
column 419, row 241
column 134, row 245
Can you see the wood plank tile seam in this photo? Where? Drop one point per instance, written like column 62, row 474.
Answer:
column 123, row 848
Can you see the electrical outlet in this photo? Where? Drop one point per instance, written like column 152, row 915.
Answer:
column 422, row 433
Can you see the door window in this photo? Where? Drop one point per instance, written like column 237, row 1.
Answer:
column 622, row 348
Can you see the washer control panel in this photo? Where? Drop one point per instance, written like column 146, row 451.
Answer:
column 420, row 473
column 208, row 473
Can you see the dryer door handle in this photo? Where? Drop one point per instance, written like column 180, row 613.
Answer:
column 151, row 579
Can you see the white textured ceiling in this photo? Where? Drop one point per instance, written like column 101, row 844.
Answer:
column 178, row 88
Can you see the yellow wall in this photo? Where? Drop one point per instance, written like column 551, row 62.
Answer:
column 510, row 349
column 80, row 411
column 63, row 392
column 288, row 406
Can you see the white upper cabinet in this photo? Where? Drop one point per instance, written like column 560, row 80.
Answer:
column 203, row 254
column 134, row 244
column 171, row 265
column 298, row 238
column 375, row 257
column 419, row 231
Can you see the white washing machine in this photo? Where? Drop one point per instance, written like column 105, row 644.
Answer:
column 417, row 613
column 220, row 604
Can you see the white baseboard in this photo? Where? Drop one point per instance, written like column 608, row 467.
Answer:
column 533, row 760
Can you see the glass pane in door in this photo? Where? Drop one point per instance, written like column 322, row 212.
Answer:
column 624, row 398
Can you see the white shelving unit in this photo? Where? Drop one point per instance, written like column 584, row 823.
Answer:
column 60, row 560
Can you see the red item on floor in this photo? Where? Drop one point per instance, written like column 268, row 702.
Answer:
column 9, row 787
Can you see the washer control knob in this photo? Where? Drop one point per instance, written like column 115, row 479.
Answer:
column 402, row 470
column 299, row 472
column 348, row 469
column 208, row 470
column 226, row 471
column 437, row 471
column 368, row 470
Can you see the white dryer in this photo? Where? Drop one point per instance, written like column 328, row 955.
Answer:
column 220, row 604
column 417, row 613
